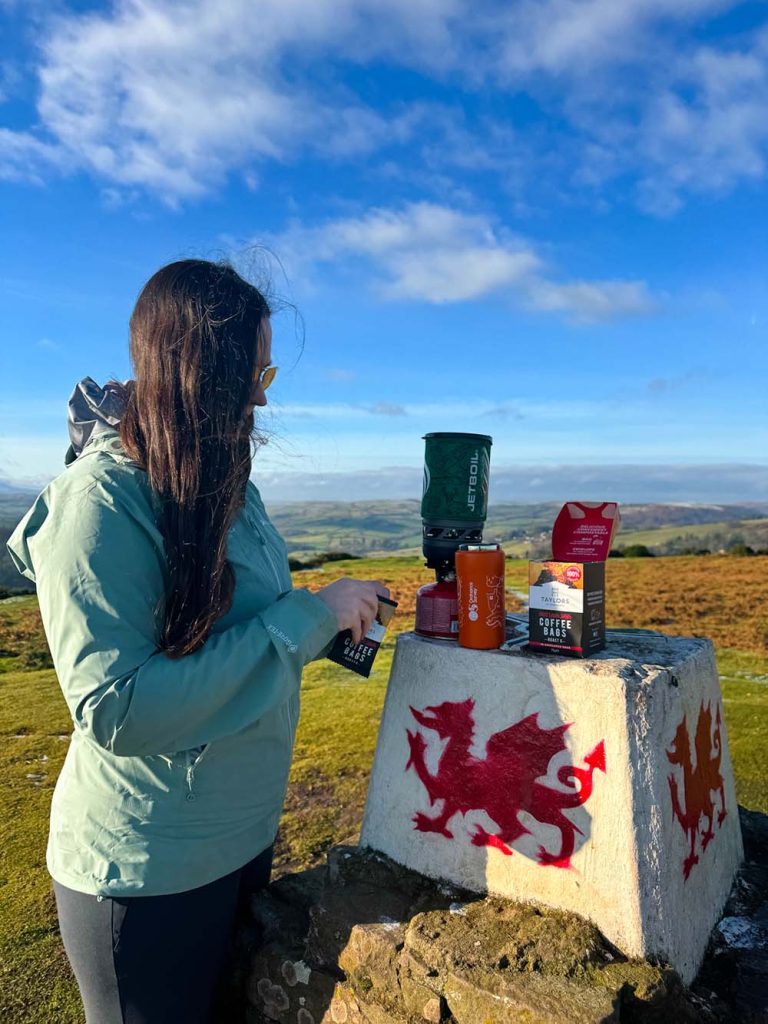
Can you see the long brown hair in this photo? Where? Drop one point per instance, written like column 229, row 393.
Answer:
column 195, row 338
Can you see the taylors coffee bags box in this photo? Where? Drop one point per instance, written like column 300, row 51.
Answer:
column 359, row 657
column 567, row 594
column 566, row 607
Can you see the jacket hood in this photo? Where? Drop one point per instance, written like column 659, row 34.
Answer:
column 92, row 410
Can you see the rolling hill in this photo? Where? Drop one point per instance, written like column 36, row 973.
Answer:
column 394, row 527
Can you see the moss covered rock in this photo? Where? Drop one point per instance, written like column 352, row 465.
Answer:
column 366, row 941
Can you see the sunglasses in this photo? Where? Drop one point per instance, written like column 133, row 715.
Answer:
column 266, row 376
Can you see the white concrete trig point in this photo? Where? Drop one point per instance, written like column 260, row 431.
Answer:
column 601, row 786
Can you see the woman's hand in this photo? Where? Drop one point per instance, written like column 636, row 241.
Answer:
column 355, row 603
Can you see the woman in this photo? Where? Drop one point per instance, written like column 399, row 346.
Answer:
column 179, row 644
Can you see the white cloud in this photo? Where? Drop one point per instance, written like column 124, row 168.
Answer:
column 341, row 374
column 30, row 461
column 708, row 129
column 532, row 482
column 642, row 100
column 574, row 38
column 171, row 103
column 591, row 301
column 26, row 158
column 517, row 408
column 175, row 97
column 10, row 77
column 388, row 409
column 660, row 110
column 49, row 345
column 431, row 253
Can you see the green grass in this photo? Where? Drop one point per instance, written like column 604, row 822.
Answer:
column 332, row 759
column 744, row 682
column 36, row 986
column 334, row 752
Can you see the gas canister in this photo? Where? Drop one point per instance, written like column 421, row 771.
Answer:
column 437, row 613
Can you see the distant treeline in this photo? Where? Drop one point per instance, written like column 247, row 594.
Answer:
column 642, row 551
column 315, row 561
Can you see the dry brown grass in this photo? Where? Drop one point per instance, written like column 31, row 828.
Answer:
column 402, row 576
column 722, row 597
column 22, row 636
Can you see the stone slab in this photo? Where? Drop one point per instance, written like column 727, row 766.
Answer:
column 451, row 957
column 600, row 786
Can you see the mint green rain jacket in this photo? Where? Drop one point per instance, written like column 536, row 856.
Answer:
column 177, row 769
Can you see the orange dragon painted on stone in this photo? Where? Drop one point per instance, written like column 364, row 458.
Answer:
column 699, row 783
column 504, row 782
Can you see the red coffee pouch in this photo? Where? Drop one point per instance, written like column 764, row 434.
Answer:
column 584, row 531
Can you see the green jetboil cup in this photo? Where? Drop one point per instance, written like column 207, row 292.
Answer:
column 454, row 502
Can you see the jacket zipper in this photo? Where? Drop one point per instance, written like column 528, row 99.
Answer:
column 257, row 523
column 191, row 766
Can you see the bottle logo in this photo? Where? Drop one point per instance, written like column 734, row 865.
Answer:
column 472, row 612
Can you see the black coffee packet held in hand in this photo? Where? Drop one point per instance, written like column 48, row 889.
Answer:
column 359, row 657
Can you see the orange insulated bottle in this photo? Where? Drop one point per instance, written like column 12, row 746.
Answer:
column 480, row 585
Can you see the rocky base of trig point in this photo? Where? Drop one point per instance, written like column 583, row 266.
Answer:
column 366, row 941
column 602, row 787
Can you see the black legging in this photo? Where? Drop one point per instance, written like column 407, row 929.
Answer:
column 154, row 959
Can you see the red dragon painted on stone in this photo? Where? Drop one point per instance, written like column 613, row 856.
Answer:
column 699, row 783
column 503, row 783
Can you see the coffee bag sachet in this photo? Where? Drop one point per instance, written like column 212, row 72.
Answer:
column 359, row 657
column 566, row 595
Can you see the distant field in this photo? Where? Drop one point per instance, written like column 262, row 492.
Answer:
column 714, row 536
column 720, row 597
column 661, row 540
column 391, row 527
column 381, row 528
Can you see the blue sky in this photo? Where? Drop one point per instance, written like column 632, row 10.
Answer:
column 539, row 219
